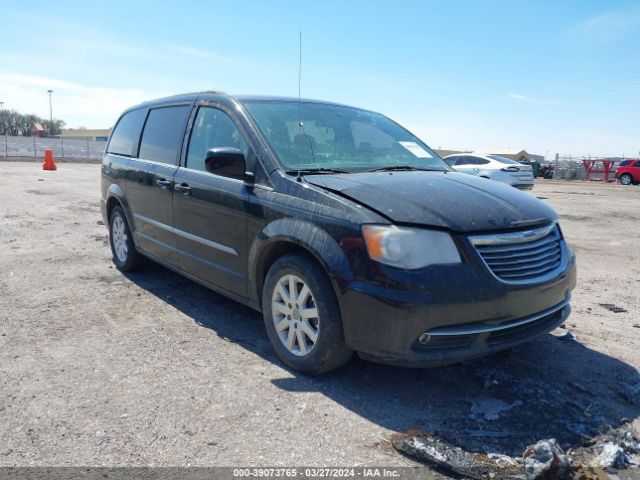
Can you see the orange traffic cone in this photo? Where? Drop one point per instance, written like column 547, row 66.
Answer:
column 49, row 163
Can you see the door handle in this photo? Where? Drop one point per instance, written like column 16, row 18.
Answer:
column 162, row 183
column 183, row 188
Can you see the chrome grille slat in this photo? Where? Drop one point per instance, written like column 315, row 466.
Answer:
column 527, row 274
column 551, row 261
column 505, row 261
column 521, row 257
column 520, row 253
column 520, row 246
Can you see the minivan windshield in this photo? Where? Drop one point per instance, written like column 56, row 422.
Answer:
column 325, row 137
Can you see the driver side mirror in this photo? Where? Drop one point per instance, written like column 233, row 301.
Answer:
column 227, row 162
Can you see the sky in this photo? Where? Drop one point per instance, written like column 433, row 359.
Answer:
column 546, row 76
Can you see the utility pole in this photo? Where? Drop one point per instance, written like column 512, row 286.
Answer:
column 50, row 114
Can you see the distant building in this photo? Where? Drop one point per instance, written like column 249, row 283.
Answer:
column 519, row 155
column 86, row 133
column 37, row 130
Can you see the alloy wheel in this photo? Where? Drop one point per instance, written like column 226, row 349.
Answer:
column 625, row 180
column 119, row 238
column 295, row 315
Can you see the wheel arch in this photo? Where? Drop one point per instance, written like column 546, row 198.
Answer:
column 116, row 197
column 289, row 235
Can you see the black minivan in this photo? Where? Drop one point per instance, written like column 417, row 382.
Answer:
column 345, row 230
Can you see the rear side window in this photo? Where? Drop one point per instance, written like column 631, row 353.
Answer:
column 124, row 138
column 465, row 161
column 638, row 163
column 163, row 131
column 502, row 159
column 624, row 163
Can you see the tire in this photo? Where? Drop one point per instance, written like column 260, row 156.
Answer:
column 125, row 255
column 317, row 313
column 625, row 179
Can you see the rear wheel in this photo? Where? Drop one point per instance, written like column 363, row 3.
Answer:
column 302, row 317
column 125, row 255
column 625, row 179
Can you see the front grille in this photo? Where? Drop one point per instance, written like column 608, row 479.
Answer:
column 522, row 257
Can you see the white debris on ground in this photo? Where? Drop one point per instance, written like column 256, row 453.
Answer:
column 442, row 455
column 489, row 408
column 613, row 455
column 546, row 459
column 616, row 449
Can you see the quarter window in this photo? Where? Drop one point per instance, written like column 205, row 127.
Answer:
column 163, row 134
column 213, row 128
column 124, row 138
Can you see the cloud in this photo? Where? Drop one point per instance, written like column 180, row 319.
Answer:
column 91, row 106
column 608, row 26
column 525, row 98
column 198, row 53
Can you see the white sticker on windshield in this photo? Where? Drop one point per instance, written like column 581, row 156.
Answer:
column 416, row 149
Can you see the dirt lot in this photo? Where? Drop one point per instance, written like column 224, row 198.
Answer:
column 101, row 368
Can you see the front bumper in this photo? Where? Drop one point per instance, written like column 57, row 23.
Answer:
column 464, row 311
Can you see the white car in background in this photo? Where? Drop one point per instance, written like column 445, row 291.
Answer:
column 495, row 167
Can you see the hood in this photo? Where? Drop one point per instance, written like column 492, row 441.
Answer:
column 456, row 201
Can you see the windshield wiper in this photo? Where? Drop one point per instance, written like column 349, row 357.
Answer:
column 313, row 171
column 405, row 168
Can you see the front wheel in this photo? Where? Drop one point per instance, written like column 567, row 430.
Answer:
column 302, row 317
column 626, row 179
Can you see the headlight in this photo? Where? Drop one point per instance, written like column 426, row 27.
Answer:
column 409, row 248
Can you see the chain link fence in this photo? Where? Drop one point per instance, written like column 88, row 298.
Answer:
column 572, row 168
column 88, row 149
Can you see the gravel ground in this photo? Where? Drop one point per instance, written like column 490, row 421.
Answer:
column 101, row 368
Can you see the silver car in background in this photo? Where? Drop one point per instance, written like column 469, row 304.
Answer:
column 495, row 167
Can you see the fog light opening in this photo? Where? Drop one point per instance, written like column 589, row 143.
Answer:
column 424, row 338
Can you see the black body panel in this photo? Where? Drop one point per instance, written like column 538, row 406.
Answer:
column 455, row 201
column 210, row 222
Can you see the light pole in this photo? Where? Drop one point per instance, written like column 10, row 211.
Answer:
column 50, row 114
column 6, row 133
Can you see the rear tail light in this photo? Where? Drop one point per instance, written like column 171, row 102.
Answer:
column 510, row 169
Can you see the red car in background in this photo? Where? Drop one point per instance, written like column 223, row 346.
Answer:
column 628, row 172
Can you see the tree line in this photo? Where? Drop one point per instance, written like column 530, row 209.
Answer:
column 19, row 124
